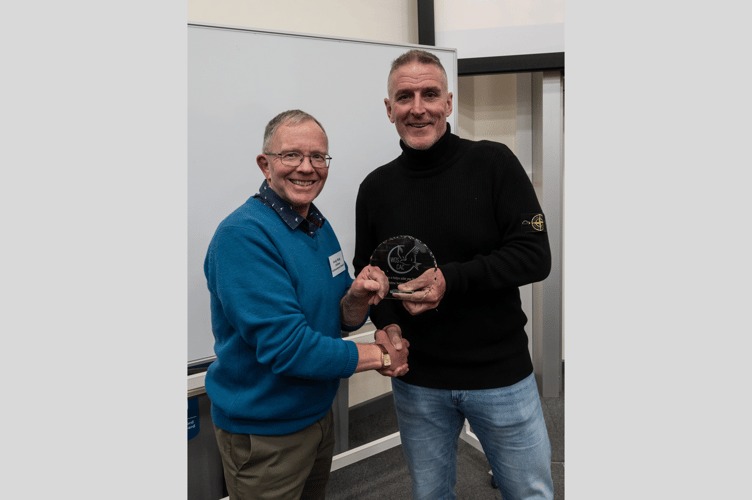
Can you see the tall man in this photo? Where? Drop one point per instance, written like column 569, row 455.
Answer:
column 474, row 207
column 280, row 297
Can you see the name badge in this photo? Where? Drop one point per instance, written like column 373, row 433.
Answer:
column 337, row 263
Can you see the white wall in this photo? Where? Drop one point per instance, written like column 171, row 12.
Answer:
column 488, row 109
column 393, row 21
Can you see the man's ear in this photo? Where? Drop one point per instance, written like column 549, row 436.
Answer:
column 388, row 109
column 263, row 164
column 449, row 104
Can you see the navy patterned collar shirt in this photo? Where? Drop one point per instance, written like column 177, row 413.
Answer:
column 309, row 225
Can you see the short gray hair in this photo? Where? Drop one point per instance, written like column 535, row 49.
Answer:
column 419, row 56
column 290, row 117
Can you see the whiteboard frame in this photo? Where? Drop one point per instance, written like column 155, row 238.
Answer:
column 337, row 200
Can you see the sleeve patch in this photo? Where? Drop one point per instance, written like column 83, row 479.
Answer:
column 533, row 223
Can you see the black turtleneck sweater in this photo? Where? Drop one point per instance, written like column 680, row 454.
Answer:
column 472, row 204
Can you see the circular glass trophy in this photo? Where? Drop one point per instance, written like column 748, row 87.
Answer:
column 402, row 258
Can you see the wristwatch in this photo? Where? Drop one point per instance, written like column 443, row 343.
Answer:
column 386, row 360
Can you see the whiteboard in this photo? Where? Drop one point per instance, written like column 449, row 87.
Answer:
column 238, row 80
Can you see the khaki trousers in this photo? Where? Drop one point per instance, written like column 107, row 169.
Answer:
column 290, row 467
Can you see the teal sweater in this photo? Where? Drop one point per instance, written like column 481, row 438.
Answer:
column 276, row 324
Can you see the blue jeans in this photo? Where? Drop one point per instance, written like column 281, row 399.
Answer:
column 508, row 422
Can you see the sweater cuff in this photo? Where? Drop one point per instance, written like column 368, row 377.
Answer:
column 451, row 277
column 352, row 362
column 348, row 328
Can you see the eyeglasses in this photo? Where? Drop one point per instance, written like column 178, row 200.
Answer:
column 294, row 159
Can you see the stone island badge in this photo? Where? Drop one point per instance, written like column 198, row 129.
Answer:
column 533, row 223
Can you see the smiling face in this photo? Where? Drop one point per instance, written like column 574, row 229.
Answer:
column 419, row 104
column 300, row 185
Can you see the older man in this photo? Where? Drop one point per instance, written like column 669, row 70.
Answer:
column 473, row 205
column 280, row 297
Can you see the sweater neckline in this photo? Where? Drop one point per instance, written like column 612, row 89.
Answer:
column 433, row 159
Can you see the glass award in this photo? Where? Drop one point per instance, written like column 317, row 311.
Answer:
column 402, row 258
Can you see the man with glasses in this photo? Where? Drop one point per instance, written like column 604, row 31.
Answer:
column 281, row 295
column 473, row 205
